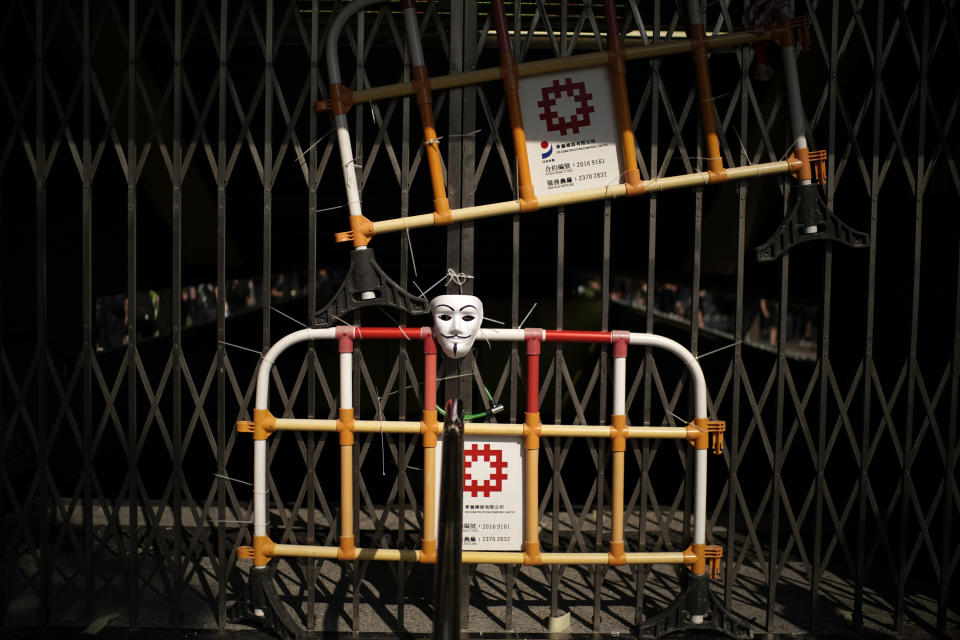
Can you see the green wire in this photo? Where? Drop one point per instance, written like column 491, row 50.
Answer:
column 471, row 416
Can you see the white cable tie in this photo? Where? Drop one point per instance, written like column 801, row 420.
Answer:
column 220, row 475
column 527, row 316
column 273, row 308
column 302, row 154
column 726, row 346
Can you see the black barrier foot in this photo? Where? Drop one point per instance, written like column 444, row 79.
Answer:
column 809, row 219
column 266, row 611
column 696, row 610
column 367, row 285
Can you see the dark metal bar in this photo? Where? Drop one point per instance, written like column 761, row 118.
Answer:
column 913, row 375
column 88, row 352
column 313, row 451
column 647, row 447
column 131, row 356
column 601, row 447
column 176, row 286
column 773, row 573
column 863, row 537
column 732, row 436
column 559, row 448
column 824, row 347
column 43, row 436
column 949, row 475
column 223, row 547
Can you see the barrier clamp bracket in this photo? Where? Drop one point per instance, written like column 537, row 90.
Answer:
column 245, row 553
column 713, row 553
column 716, row 429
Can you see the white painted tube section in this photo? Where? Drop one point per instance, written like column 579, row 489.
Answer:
column 333, row 39
column 413, row 37
column 700, row 498
column 696, row 373
column 700, row 411
column 504, row 335
column 619, row 386
column 261, row 402
column 340, row 121
column 349, row 167
column 281, row 345
column 693, row 12
column 793, row 97
column 346, row 381
column 259, row 487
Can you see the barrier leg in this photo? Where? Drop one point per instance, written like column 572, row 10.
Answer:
column 696, row 600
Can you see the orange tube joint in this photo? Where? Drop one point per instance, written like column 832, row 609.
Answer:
column 617, row 555
column 618, row 433
column 347, row 549
column 428, row 553
column 360, row 234
column 262, row 550
column 262, row 425
column 531, row 553
column 430, row 429
column 345, row 426
column 340, row 100
column 532, row 430
column 792, row 33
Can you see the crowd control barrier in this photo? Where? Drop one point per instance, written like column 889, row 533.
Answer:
column 702, row 433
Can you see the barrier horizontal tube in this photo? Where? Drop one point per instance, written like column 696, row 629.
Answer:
column 485, row 429
column 567, row 63
column 586, row 195
column 479, row 557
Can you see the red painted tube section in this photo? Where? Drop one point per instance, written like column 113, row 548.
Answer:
column 500, row 22
column 390, row 333
column 429, row 373
column 533, row 374
column 563, row 335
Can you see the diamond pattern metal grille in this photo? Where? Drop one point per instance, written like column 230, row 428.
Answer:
column 159, row 145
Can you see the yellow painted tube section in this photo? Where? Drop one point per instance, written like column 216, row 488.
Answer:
column 493, row 557
column 346, row 491
column 579, row 61
column 667, row 183
column 429, row 535
column 616, row 501
column 305, row 551
column 531, row 471
column 486, row 429
column 476, row 557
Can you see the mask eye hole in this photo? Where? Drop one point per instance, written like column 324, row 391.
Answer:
column 446, row 317
column 468, row 318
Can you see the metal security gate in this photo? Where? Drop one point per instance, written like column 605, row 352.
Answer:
column 168, row 197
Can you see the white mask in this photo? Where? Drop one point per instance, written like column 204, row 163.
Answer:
column 456, row 322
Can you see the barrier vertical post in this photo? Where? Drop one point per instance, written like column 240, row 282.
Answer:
column 698, row 48
column 531, row 432
column 345, row 430
column 428, row 427
column 618, row 432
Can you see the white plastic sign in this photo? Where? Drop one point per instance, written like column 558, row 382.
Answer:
column 492, row 492
column 570, row 124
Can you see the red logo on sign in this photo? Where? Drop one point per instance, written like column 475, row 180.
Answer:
column 494, row 481
column 580, row 117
